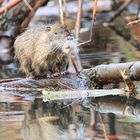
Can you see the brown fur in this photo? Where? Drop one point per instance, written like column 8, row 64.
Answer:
column 40, row 50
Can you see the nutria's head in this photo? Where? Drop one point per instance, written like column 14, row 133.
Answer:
column 59, row 36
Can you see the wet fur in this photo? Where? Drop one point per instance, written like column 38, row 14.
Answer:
column 39, row 50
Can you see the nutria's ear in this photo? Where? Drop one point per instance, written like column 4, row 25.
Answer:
column 48, row 28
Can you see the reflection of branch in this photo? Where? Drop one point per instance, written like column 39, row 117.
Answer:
column 129, row 83
column 92, row 117
column 116, row 105
column 104, row 129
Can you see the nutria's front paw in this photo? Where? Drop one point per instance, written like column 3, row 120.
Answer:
column 57, row 74
column 65, row 73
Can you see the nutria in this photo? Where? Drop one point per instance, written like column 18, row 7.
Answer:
column 46, row 49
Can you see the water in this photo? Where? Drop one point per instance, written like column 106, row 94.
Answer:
column 26, row 117
column 89, row 119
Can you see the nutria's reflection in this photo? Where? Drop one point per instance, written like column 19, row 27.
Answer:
column 56, row 121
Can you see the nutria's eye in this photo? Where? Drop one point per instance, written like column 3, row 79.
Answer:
column 55, row 33
column 48, row 28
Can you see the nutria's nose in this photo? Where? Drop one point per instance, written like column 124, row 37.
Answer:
column 70, row 37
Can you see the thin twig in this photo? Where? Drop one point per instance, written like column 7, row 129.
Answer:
column 12, row 4
column 137, row 16
column 103, row 126
column 65, row 7
column 9, row 6
column 9, row 80
column 1, row 1
column 133, row 22
column 92, row 116
column 129, row 83
column 78, row 18
column 28, row 5
column 29, row 17
column 94, row 12
column 85, row 43
column 61, row 12
column 93, row 18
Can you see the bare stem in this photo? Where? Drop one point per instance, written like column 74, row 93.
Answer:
column 78, row 19
column 28, row 5
column 94, row 12
column 93, row 18
column 65, row 7
column 29, row 17
column 120, row 10
column 9, row 6
column 61, row 12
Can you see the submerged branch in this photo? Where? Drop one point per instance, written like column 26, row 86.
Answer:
column 26, row 84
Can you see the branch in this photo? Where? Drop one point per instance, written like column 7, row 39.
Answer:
column 9, row 5
column 93, row 19
column 15, row 16
column 61, row 14
column 104, row 74
column 63, row 95
column 78, row 86
column 120, row 10
column 31, row 14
